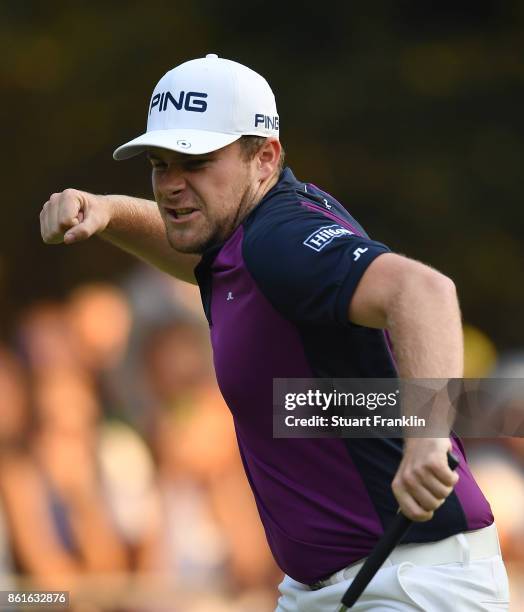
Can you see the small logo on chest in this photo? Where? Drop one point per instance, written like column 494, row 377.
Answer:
column 230, row 296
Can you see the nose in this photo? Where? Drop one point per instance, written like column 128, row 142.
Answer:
column 171, row 181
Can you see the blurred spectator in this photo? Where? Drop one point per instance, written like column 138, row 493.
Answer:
column 14, row 415
column 45, row 339
column 498, row 466
column 59, row 520
column 100, row 321
column 13, row 427
column 213, row 527
column 154, row 299
column 177, row 360
column 130, row 481
column 510, row 367
column 499, row 475
column 154, row 296
column 497, row 472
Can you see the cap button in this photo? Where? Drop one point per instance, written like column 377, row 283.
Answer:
column 211, row 56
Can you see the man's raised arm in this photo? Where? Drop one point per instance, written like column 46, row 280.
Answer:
column 132, row 224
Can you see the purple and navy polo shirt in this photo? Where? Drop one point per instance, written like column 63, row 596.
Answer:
column 276, row 297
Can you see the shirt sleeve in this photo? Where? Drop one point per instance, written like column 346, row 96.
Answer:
column 309, row 266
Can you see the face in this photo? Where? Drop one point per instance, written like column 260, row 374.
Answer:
column 202, row 198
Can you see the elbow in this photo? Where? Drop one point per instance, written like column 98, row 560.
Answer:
column 421, row 285
column 440, row 286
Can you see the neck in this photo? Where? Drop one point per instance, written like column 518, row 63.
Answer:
column 265, row 186
column 253, row 198
column 250, row 200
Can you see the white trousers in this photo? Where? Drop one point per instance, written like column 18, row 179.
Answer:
column 474, row 586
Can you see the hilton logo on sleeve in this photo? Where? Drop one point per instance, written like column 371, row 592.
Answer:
column 324, row 235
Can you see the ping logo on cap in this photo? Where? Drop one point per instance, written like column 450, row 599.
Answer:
column 270, row 123
column 190, row 101
column 324, row 235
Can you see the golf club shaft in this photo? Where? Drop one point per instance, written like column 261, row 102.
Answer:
column 389, row 540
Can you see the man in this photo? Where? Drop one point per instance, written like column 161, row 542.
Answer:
column 286, row 300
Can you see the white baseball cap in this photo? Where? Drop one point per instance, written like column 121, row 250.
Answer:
column 203, row 105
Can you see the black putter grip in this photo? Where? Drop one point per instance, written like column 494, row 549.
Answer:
column 391, row 537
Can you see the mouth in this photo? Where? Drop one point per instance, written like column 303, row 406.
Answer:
column 182, row 215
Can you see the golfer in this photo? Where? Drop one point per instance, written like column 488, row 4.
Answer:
column 293, row 287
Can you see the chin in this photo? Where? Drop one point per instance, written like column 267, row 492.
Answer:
column 189, row 247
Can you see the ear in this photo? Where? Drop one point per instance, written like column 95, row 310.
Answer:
column 267, row 158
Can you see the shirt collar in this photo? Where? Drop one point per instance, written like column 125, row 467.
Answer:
column 286, row 182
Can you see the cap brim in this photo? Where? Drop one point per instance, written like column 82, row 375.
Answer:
column 192, row 142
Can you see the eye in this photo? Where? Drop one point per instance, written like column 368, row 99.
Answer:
column 156, row 163
column 196, row 164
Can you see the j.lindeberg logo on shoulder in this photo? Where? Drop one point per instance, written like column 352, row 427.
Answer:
column 325, row 235
column 230, row 296
column 190, row 101
column 358, row 252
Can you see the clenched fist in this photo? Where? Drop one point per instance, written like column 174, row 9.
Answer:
column 72, row 216
column 424, row 479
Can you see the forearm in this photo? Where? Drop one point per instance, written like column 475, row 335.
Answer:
column 136, row 227
column 99, row 545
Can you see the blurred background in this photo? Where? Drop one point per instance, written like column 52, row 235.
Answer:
column 112, row 482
